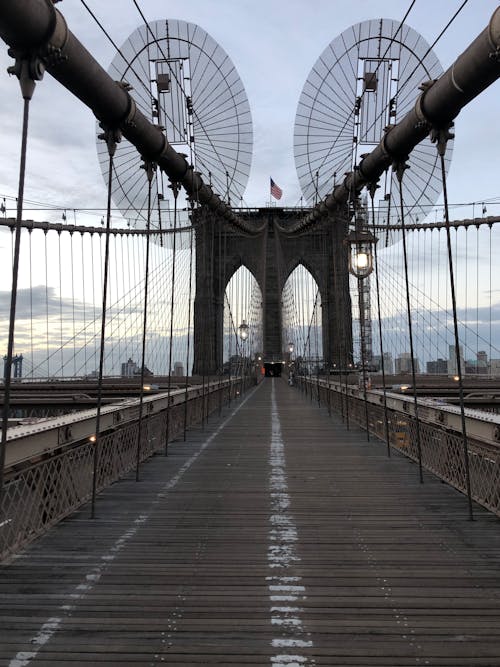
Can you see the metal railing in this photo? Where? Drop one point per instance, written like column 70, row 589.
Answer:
column 51, row 475
column 441, row 439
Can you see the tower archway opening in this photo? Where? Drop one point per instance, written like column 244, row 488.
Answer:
column 242, row 337
column 302, row 337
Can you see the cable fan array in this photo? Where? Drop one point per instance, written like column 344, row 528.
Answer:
column 59, row 313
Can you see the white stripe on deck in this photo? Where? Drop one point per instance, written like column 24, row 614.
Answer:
column 52, row 625
column 282, row 557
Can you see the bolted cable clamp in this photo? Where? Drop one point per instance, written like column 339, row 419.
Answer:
column 495, row 55
column 150, row 168
column 175, row 186
column 372, row 188
column 440, row 136
column 399, row 167
column 54, row 56
column 112, row 137
column 29, row 69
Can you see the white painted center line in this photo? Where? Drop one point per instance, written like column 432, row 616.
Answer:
column 282, row 556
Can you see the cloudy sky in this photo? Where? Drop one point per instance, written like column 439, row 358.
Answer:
column 273, row 45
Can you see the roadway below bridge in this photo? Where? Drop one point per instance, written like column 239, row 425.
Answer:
column 33, row 399
column 40, row 399
column 274, row 537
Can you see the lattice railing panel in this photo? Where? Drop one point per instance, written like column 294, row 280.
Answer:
column 37, row 497
column 442, row 451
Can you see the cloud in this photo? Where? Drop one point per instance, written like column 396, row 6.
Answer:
column 433, row 333
column 39, row 302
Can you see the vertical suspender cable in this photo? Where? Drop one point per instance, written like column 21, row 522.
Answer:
column 73, row 303
column 214, row 341
column 110, row 138
column 340, row 353
column 230, row 333
column 148, row 166
column 399, row 169
column 477, row 298
column 100, row 260
column 27, row 89
column 362, row 327
column 222, row 290
column 299, row 300
column 47, row 304
column 92, row 274
column 192, row 157
column 84, row 301
column 346, row 354
column 465, row 328
column 328, row 362
column 116, row 300
column 205, row 346
column 379, row 315
column 31, row 301
column 489, row 290
column 301, row 289
column 230, row 336
column 441, row 145
column 315, row 324
column 175, row 190
column 61, row 344
column 206, row 395
column 317, row 346
column 308, row 340
column 191, row 237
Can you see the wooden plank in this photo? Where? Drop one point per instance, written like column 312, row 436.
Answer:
column 285, row 535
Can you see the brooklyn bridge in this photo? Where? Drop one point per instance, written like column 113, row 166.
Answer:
column 236, row 430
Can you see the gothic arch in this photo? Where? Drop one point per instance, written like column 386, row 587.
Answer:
column 308, row 266
column 233, row 268
column 297, row 324
column 270, row 255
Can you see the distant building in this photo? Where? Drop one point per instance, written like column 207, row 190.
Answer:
column 129, row 369
column 474, row 367
column 495, row 367
column 403, row 364
column 388, row 363
column 482, row 357
column 178, row 369
column 437, row 367
column 479, row 365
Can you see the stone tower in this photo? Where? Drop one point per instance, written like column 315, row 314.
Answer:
column 270, row 254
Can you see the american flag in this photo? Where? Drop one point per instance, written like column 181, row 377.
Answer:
column 276, row 191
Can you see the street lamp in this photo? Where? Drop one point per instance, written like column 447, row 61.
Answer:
column 361, row 242
column 243, row 330
column 291, row 348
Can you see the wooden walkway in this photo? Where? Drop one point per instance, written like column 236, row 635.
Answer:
column 275, row 537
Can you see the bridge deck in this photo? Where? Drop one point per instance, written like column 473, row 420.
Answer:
column 279, row 538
